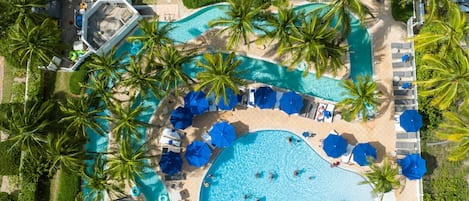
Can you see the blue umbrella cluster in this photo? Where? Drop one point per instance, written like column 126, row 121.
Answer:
column 411, row 120
column 334, row 145
column 170, row 163
column 265, row 97
column 196, row 102
column 181, row 118
column 362, row 152
column 223, row 134
column 198, row 154
column 413, row 166
column 291, row 102
column 232, row 101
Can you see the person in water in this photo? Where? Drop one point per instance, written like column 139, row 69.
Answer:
column 206, row 184
column 296, row 173
column 289, row 139
column 271, row 176
column 258, row 174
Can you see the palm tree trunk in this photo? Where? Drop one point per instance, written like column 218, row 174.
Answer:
column 437, row 143
column 27, row 85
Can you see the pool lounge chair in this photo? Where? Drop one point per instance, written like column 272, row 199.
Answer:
column 400, row 64
column 212, row 107
column 312, row 110
column 401, row 45
column 408, row 135
column 306, row 108
column 279, row 95
column 330, row 108
column 171, row 133
column 405, row 151
column 168, row 148
column 319, row 116
column 403, row 74
column 406, row 145
column 251, row 100
column 404, row 92
column 208, row 140
column 399, row 55
column 348, row 154
column 402, row 108
column 169, row 141
column 404, row 101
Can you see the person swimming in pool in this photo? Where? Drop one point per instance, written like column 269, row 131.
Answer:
column 258, row 174
column 296, row 173
column 289, row 139
column 271, row 176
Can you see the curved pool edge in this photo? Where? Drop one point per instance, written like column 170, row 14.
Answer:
column 251, row 131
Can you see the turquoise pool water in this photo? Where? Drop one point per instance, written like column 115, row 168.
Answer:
column 268, row 152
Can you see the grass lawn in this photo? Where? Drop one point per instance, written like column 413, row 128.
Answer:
column 9, row 73
column 65, row 186
column 62, row 86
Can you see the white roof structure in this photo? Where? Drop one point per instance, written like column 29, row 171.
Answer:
column 107, row 23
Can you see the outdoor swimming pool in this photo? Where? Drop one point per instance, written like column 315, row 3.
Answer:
column 268, row 152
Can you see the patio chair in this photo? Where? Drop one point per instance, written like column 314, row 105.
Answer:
column 251, row 102
column 279, row 95
column 169, row 141
column 402, row 108
column 330, row 108
column 403, row 73
column 405, row 151
column 404, row 92
column 312, row 110
column 404, row 101
column 348, row 154
column 401, row 45
column 306, row 108
column 168, row 148
column 398, row 55
column 408, row 135
column 406, row 145
column 320, row 112
column 400, row 64
column 208, row 140
column 171, row 133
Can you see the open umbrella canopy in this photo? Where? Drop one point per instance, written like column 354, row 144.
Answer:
column 334, row 145
column 171, row 163
column 265, row 97
column 405, row 58
column 291, row 102
column 411, row 120
column 232, row 101
column 196, row 102
column 362, row 151
column 223, row 134
column 413, row 166
column 198, row 153
column 181, row 118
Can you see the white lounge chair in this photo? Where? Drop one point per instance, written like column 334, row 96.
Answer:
column 208, row 140
column 277, row 102
column 330, row 108
column 169, row 141
column 168, row 148
column 320, row 112
column 171, row 133
column 251, row 102
column 348, row 154
column 212, row 106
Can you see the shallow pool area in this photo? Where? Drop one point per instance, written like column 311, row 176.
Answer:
column 269, row 152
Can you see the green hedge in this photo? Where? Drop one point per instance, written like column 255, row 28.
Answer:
column 29, row 176
column 69, row 186
column 78, row 77
column 9, row 159
column 400, row 13
column 5, row 197
column 199, row 3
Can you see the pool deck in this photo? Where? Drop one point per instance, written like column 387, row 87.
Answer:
column 380, row 131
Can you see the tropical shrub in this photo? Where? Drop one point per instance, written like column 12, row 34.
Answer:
column 402, row 12
column 9, row 159
column 77, row 77
column 69, row 186
column 199, row 3
column 5, row 197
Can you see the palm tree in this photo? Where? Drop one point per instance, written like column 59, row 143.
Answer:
column 101, row 89
column 23, row 9
column 317, row 44
column 64, row 152
column 100, row 182
column 239, row 21
column 141, row 78
column 360, row 96
column 34, row 43
column 129, row 162
column 220, row 74
column 343, row 9
column 81, row 114
column 155, row 35
column 450, row 78
column 27, row 129
column 105, row 67
column 169, row 68
column 124, row 121
column 283, row 26
column 455, row 127
column 437, row 8
column 452, row 31
column 383, row 178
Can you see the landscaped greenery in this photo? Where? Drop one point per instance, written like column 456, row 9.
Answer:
column 77, row 78
column 402, row 13
column 68, row 186
column 9, row 159
column 199, row 3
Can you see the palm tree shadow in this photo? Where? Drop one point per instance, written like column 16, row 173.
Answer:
column 432, row 163
column 380, row 150
column 386, row 98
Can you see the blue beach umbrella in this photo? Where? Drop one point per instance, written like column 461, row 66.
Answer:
column 198, row 153
column 411, row 120
column 171, row 163
column 265, row 97
column 405, row 58
column 291, row 102
column 362, row 151
column 413, row 166
column 334, row 145
column 181, row 118
column 196, row 102
column 232, row 101
column 223, row 134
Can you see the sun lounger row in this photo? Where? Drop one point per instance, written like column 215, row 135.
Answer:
column 408, row 135
column 405, row 101
column 401, row 64
column 403, row 74
column 401, row 45
column 404, row 92
column 399, row 55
